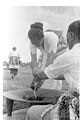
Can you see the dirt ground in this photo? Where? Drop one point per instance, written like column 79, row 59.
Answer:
column 21, row 81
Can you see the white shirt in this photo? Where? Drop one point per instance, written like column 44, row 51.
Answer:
column 14, row 54
column 14, row 62
column 50, row 43
column 68, row 65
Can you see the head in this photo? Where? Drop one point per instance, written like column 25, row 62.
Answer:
column 14, row 48
column 36, row 34
column 37, row 25
column 73, row 34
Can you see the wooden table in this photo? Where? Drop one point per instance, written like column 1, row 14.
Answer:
column 18, row 95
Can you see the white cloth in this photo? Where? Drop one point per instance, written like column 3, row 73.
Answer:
column 50, row 43
column 52, row 84
column 14, row 59
column 51, row 112
column 68, row 65
column 14, row 54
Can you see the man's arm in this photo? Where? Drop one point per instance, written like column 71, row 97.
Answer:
column 56, row 70
column 60, row 77
column 60, row 65
column 43, row 76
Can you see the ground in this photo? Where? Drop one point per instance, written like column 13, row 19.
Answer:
column 21, row 81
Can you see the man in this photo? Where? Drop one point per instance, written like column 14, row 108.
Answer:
column 65, row 67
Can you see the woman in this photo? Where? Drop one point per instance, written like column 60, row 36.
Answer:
column 46, row 42
column 13, row 62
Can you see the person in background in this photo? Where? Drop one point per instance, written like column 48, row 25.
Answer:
column 14, row 62
column 46, row 42
column 65, row 67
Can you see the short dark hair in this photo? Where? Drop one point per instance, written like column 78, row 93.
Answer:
column 14, row 48
column 75, row 28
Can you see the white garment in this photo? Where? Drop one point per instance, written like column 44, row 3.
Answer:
column 14, row 54
column 52, row 84
column 14, row 59
column 68, row 65
column 52, row 113
column 50, row 43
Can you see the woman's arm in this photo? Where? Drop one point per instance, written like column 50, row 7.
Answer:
column 33, row 61
column 33, row 52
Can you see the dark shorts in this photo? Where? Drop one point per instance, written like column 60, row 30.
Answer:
column 14, row 71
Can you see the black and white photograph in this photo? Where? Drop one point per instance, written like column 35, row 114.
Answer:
column 41, row 63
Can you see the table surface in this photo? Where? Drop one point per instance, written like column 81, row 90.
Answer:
column 18, row 95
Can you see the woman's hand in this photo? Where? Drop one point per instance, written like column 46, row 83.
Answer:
column 35, row 71
column 36, row 84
